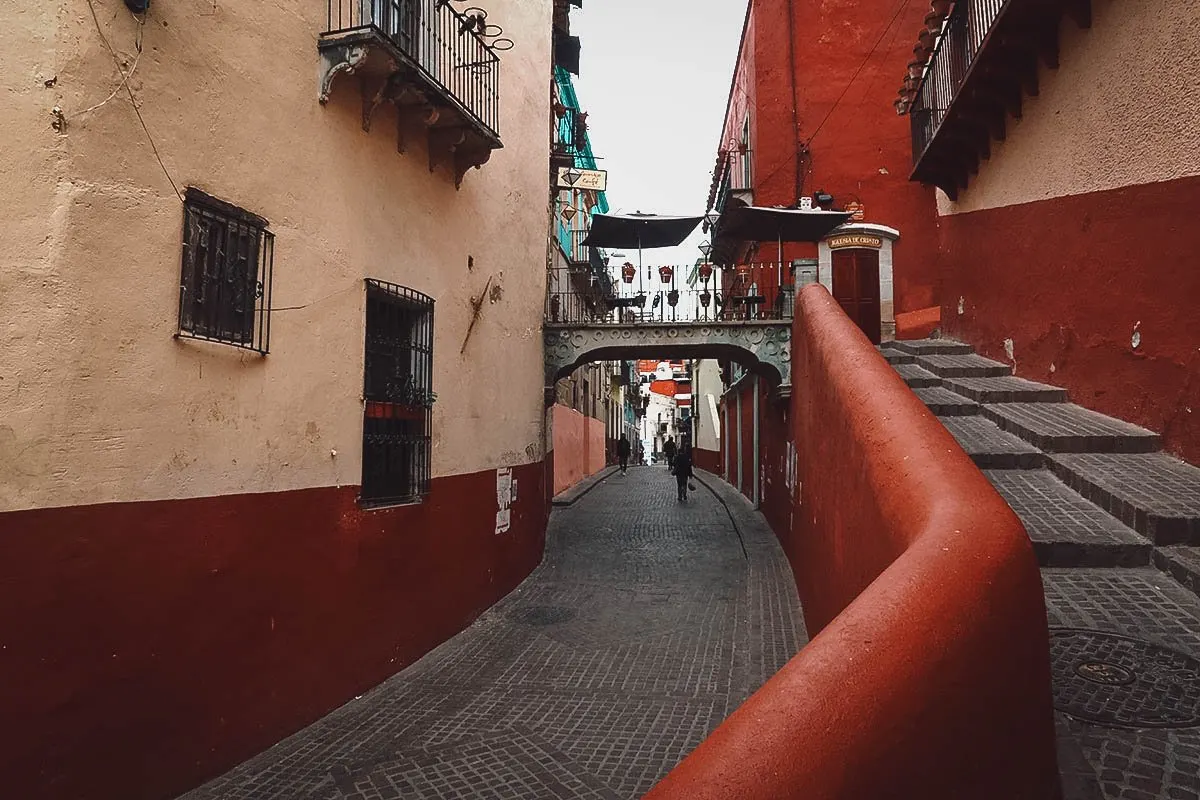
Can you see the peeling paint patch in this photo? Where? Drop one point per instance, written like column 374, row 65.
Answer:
column 962, row 305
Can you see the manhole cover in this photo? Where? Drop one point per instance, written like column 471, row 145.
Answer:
column 544, row 615
column 1123, row 682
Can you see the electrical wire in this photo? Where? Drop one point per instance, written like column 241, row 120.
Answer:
column 133, row 100
column 842, row 96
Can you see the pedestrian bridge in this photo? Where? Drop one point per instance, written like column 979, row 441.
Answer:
column 739, row 313
column 763, row 347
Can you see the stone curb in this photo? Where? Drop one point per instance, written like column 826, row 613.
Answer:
column 571, row 496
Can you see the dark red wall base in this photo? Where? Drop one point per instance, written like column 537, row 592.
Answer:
column 1069, row 280
column 709, row 460
column 150, row 646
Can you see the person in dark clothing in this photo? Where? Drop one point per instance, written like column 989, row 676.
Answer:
column 683, row 470
column 623, row 452
column 669, row 452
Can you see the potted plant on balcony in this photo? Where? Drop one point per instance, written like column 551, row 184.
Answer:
column 628, row 271
column 706, row 271
column 673, row 298
column 665, row 273
column 705, row 298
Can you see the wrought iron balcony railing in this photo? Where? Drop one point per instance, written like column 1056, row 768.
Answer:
column 965, row 31
column 428, row 59
column 665, row 295
column 985, row 60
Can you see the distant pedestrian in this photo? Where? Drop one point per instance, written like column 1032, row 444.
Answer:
column 623, row 453
column 683, row 470
column 669, row 451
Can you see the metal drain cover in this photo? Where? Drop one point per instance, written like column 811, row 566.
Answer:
column 1122, row 682
column 544, row 615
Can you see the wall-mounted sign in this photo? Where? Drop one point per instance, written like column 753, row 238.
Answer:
column 595, row 180
column 854, row 240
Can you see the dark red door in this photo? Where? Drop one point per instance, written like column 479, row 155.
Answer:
column 856, row 288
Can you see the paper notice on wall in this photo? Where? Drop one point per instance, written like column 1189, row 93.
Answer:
column 506, row 495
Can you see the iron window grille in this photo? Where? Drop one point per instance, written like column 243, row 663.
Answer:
column 225, row 281
column 398, row 395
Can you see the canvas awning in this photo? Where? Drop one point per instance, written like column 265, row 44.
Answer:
column 759, row 224
column 639, row 230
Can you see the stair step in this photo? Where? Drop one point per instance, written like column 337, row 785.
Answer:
column 1156, row 495
column 1067, row 530
column 991, row 448
column 895, row 356
column 1181, row 563
column 916, row 377
column 1068, row 428
column 963, row 366
column 923, row 347
column 945, row 403
column 1006, row 389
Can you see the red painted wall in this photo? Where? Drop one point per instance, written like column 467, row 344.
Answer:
column 911, row 568
column 150, row 646
column 1068, row 279
column 709, row 460
column 860, row 149
column 579, row 447
column 774, row 434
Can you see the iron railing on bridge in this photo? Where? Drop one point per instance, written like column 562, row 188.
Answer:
column 439, row 40
column 963, row 37
column 669, row 294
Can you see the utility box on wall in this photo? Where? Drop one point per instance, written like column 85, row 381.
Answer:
column 805, row 270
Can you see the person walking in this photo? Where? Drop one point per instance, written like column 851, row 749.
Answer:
column 669, row 451
column 623, row 453
column 683, row 470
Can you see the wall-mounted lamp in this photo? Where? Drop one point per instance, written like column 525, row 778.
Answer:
column 705, row 249
column 823, row 199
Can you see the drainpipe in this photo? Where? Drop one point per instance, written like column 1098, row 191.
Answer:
column 725, row 437
column 739, row 439
column 756, row 498
column 795, row 98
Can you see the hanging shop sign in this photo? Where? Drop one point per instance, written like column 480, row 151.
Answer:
column 595, row 180
column 854, row 240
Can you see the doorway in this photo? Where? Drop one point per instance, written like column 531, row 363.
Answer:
column 856, row 288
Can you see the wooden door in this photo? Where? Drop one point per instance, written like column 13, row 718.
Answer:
column 856, row 288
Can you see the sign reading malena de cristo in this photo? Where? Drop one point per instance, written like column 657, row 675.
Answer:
column 854, row 240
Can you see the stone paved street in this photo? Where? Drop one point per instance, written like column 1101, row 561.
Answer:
column 647, row 623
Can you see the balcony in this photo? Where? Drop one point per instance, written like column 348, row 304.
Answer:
column 437, row 66
column 984, row 61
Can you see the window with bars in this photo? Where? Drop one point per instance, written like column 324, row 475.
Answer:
column 225, row 283
column 398, row 394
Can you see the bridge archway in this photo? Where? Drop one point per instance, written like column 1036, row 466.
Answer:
column 762, row 347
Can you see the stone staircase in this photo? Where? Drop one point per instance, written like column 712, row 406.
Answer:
column 1093, row 491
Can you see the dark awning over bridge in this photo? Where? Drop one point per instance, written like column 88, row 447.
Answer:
column 639, row 230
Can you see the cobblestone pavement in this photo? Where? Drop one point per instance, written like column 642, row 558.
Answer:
column 1102, row 762
column 647, row 623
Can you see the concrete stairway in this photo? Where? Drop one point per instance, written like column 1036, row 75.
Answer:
column 1093, row 491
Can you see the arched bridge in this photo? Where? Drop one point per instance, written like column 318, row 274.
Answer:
column 763, row 347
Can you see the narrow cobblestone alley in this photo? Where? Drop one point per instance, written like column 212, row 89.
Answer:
column 648, row 622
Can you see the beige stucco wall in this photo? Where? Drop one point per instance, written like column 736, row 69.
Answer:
column 99, row 403
column 1090, row 129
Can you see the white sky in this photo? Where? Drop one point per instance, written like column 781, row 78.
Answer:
column 654, row 80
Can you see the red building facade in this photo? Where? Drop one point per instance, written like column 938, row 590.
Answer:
column 1065, row 226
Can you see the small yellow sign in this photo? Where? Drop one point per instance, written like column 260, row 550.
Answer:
column 854, row 240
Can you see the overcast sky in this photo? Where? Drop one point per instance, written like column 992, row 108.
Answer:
column 654, row 80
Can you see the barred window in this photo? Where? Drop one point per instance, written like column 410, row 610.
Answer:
column 225, row 285
column 398, row 393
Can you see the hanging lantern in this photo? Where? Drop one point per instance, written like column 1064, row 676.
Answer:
column 628, row 271
column 665, row 273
